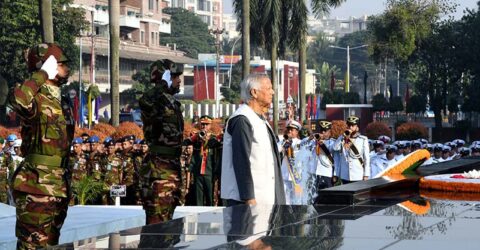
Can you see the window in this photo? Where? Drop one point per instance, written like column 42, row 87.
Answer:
column 156, row 3
column 142, row 36
column 345, row 26
column 153, row 38
column 150, row 4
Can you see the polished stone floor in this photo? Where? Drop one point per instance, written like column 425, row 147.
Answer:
column 414, row 223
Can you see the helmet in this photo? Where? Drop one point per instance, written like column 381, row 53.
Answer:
column 11, row 138
column 38, row 54
column 160, row 66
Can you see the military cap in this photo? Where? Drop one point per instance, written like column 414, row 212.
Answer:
column 378, row 143
column 391, row 148
column 107, row 139
column 451, row 144
column 407, row 144
column 187, row 142
column 459, row 142
column 429, row 147
column 417, row 143
column 206, row 119
column 464, row 151
column 77, row 140
column 143, row 142
column 353, row 120
column 38, row 54
column 109, row 143
column 138, row 141
column 159, row 67
column 324, row 125
column 384, row 138
column 400, row 144
column 93, row 139
column 294, row 124
column 446, row 149
column 423, row 141
column 438, row 147
column 130, row 137
column 475, row 148
column 11, row 137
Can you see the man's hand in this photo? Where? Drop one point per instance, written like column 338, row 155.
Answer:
column 50, row 67
column 251, row 202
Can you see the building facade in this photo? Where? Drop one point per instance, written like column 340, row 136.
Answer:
column 142, row 24
column 210, row 11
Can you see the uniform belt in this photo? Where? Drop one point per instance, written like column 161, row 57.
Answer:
column 47, row 160
column 167, row 151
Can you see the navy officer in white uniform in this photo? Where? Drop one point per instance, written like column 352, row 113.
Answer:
column 354, row 160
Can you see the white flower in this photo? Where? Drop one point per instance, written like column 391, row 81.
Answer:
column 474, row 174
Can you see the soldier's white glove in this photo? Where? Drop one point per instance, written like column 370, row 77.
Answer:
column 50, row 66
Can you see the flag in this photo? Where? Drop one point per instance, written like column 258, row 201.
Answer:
column 309, row 106
column 332, row 82
column 76, row 104
column 314, row 110
column 318, row 108
column 98, row 101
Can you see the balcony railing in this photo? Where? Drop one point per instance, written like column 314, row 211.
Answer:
column 130, row 21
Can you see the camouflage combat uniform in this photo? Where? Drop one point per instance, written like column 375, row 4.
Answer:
column 3, row 182
column 160, row 172
column 112, row 175
column 129, row 178
column 41, row 182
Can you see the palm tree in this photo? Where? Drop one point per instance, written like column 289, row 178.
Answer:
column 299, row 20
column 265, row 14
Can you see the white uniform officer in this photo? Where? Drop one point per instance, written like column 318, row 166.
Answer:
column 354, row 157
column 323, row 162
column 378, row 148
column 382, row 162
column 437, row 155
column 290, row 147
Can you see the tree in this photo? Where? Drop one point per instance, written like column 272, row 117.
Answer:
column 416, row 104
column 396, row 104
column 379, row 103
column 325, row 75
column 405, row 24
column 189, row 33
column 351, row 98
column 21, row 30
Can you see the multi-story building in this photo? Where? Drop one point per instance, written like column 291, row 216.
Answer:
column 337, row 27
column 230, row 26
column 142, row 24
column 210, row 11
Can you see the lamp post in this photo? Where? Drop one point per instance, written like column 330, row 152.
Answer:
column 347, row 82
column 231, row 62
column 217, row 32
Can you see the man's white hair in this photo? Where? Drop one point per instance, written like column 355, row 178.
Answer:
column 252, row 81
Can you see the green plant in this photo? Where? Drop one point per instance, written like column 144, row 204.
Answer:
column 87, row 189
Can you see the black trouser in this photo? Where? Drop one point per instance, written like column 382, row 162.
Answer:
column 323, row 182
column 231, row 203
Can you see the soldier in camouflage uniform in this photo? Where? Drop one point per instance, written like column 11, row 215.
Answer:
column 3, row 182
column 78, row 162
column 111, row 165
column 163, row 130
column 41, row 183
column 129, row 172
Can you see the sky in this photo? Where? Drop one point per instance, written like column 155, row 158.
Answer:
column 359, row 8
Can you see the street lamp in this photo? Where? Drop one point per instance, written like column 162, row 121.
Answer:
column 231, row 61
column 347, row 82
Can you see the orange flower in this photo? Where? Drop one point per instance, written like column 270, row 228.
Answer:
column 416, row 208
column 449, row 186
column 408, row 163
